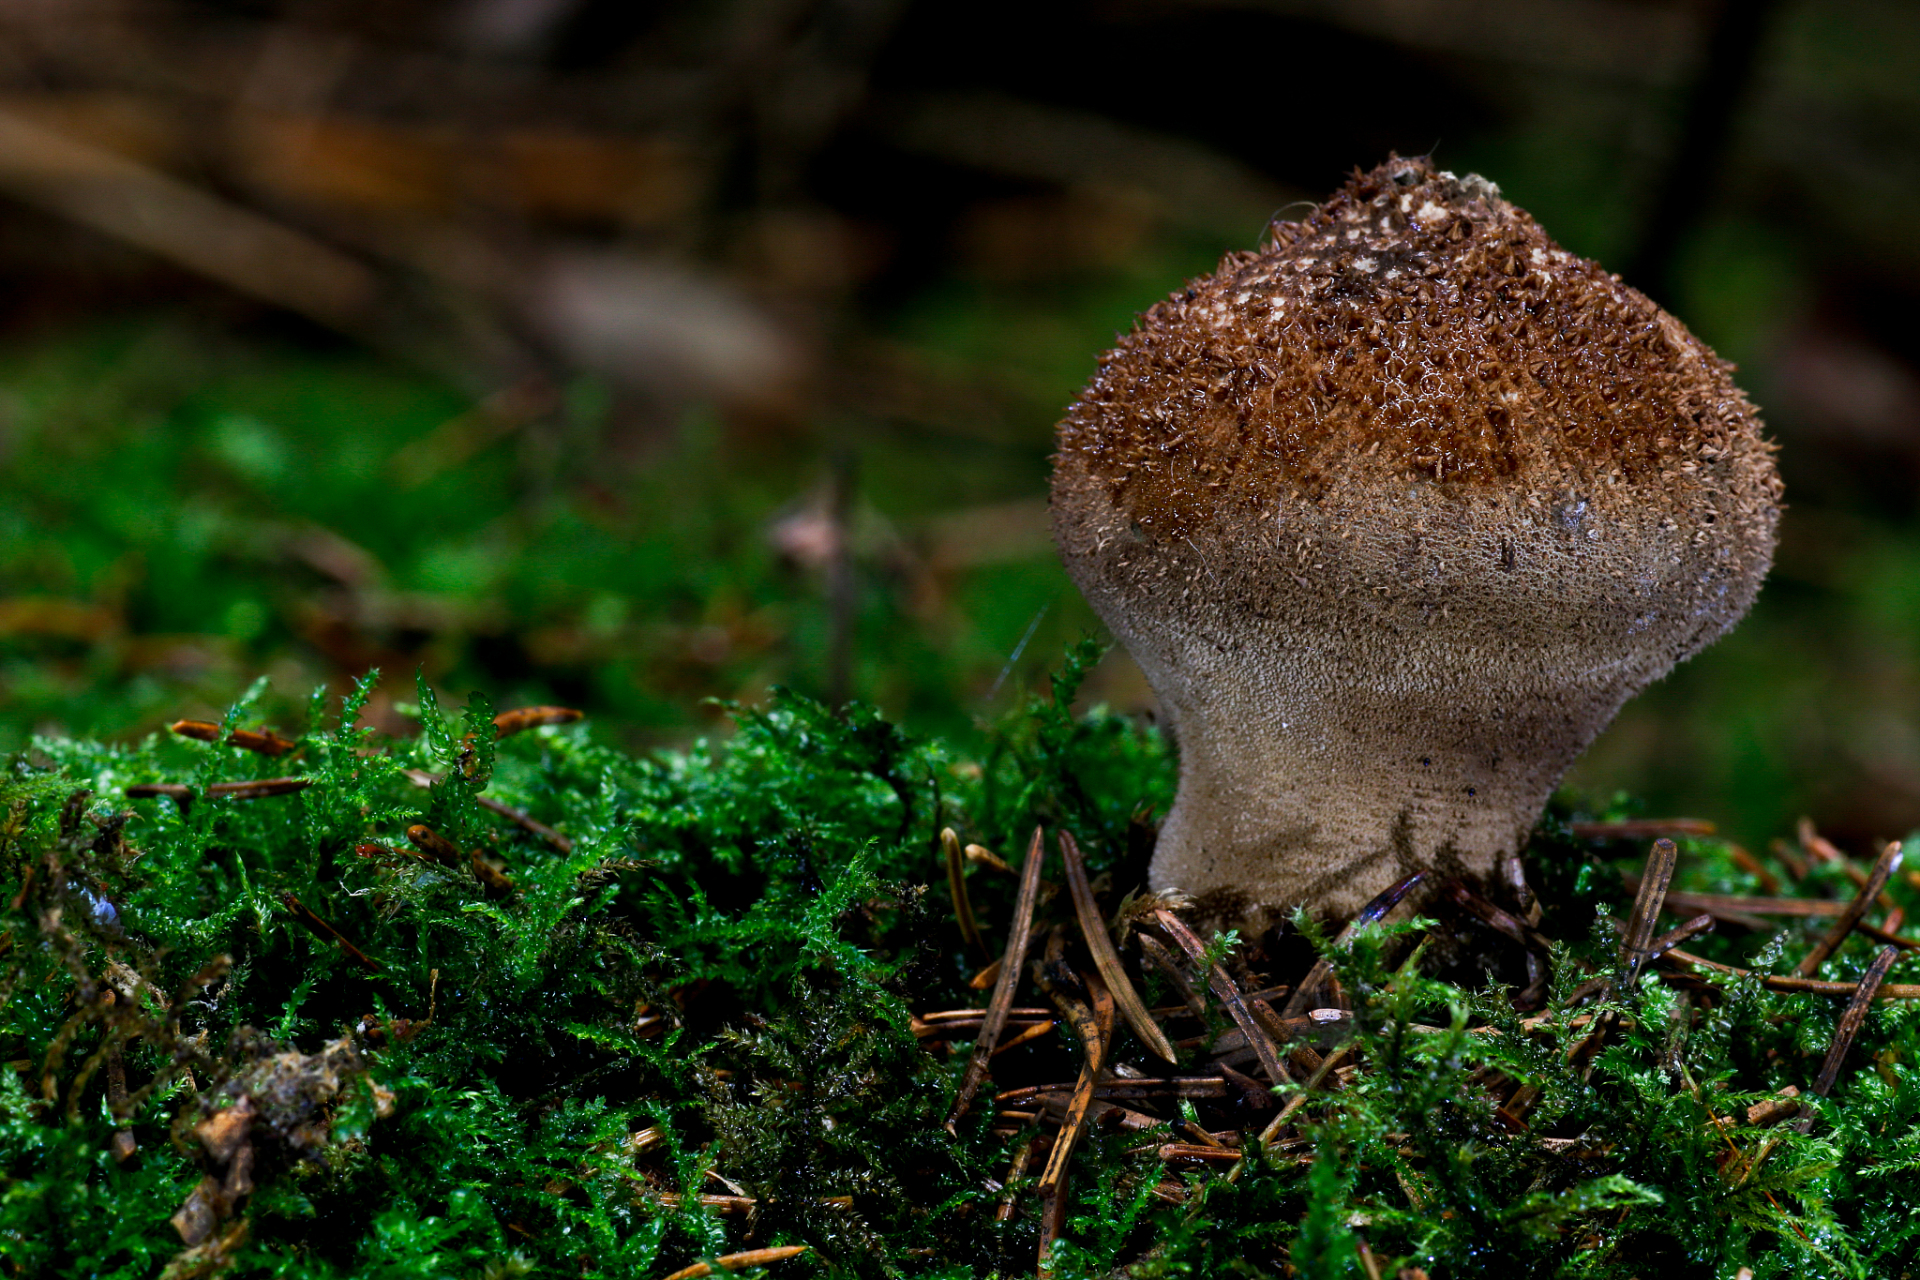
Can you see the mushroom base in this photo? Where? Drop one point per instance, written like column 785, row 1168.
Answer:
column 1280, row 806
column 1391, row 676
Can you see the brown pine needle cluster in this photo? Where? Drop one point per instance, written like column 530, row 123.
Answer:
column 1286, row 1050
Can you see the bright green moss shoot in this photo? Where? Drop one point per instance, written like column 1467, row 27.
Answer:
column 709, row 995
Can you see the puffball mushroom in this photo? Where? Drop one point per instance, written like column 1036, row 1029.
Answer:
column 1395, row 514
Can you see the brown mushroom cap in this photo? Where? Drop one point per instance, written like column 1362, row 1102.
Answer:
column 1395, row 514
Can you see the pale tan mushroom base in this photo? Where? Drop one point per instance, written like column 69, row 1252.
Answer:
column 1360, row 688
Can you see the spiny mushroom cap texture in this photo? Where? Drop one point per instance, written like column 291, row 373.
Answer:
column 1395, row 514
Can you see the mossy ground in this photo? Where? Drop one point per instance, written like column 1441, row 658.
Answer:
column 709, row 994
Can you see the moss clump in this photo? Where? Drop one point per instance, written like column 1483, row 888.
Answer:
column 680, row 1024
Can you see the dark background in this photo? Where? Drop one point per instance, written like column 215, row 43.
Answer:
column 635, row 355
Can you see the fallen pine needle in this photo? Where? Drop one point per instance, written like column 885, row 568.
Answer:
column 1229, row 994
column 1870, row 891
column 735, row 1261
column 1011, row 961
column 957, row 885
column 1105, row 958
column 1094, row 1021
column 1784, row 982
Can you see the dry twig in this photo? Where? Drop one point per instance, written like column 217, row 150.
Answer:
column 1783, row 982
column 1641, row 829
column 1636, row 944
column 520, row 719
column 322, row 929
column 260, row 741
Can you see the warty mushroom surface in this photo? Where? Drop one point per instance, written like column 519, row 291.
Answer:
column 1395, row 513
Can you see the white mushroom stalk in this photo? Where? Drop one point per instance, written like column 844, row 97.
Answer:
column 1395, row 514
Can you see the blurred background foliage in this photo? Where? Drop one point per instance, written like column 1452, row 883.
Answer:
column 632, row 355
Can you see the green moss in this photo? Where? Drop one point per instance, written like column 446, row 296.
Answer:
column 709, row 993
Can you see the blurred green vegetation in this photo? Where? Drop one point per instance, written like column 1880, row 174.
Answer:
column 191, row 506
column 202, row 488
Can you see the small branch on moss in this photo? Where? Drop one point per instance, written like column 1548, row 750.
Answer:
column 1636, row 948
column 1782, row 982
column 519, row 817
column 1162, row 959
column 180, row 794
column 1733, row 904
column 1269, row 1134
column 1003, row 1212
column 1680, row 933
column 1094, row 1021
column 254, row 789
column 260, row 741
column 1206, row 1154
column 518, row 719
column 1027, row 1036
column 1529, row 939
column 1636, row 944
column 258, row 788
column 1824, row 850
column 1137, row 1090
column 1742, row 910
column 986, row 857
